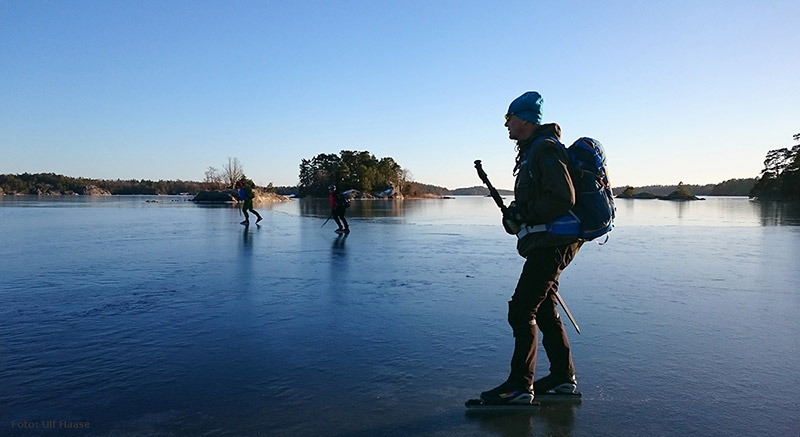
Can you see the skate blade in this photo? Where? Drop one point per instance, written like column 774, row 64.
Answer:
column 547, row 398
column 558, row 397
column 479, row 405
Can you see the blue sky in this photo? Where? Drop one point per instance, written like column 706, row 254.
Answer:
column 694, row 91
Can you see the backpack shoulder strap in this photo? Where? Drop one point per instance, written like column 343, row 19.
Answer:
column 537, row 140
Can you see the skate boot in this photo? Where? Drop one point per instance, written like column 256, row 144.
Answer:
column 508, row 393
column 556, row 384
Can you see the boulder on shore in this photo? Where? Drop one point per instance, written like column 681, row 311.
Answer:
column 268, row 197
column 630, row 193
column 644, row 195
column 94, row 190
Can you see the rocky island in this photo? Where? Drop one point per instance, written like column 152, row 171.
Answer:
column 681, row 193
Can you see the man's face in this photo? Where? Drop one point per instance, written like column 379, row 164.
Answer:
column 518, row 129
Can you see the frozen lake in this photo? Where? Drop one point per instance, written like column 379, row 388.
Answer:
column 150, row 315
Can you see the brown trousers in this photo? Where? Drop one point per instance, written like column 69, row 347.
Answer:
column 534, row 304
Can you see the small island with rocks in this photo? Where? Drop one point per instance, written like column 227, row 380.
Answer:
column 681, row 193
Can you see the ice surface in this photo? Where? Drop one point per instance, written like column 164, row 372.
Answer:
column 167, row 317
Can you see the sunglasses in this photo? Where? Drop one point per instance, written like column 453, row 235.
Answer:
column 509, row 115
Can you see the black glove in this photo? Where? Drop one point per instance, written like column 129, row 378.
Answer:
column 511, row 226
column 515, row 213
column 513, row 219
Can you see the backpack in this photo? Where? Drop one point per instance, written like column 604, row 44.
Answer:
column 342, row 200
column 594, row 212
column 248, row 188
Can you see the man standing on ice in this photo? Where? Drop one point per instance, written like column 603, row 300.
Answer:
column 543, row 191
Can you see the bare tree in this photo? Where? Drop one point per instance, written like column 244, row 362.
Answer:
column 213, row 178
column 232, row 172
column 405, row 178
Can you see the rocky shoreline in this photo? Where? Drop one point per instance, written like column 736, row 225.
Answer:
column 88, row 190
column 231, row 196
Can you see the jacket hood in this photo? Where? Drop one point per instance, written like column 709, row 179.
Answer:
column 545, row 130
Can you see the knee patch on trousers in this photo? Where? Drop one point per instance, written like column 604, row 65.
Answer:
column 520, row 319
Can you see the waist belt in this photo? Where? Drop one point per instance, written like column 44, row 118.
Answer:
column 525, row 230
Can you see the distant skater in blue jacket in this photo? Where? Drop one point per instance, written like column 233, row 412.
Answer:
column 246, row 195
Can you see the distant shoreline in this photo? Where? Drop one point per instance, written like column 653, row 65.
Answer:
column 53, row 184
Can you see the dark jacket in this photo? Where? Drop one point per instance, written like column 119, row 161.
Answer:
column 338, row 201
column 543, row 187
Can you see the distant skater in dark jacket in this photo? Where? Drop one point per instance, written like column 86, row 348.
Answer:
column 543, row 191
column 338, row 206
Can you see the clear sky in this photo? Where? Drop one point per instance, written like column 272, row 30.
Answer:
column 682, row 90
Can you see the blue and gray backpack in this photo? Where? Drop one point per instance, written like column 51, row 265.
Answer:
column 594, row 212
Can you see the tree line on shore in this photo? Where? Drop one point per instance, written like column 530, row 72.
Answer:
column 44, row 184
column 362, row 171
column 780, row 178
column 731, row 187
column 356, row 170
column 54, row 184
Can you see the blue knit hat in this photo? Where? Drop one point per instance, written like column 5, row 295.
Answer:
column 527, row 107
